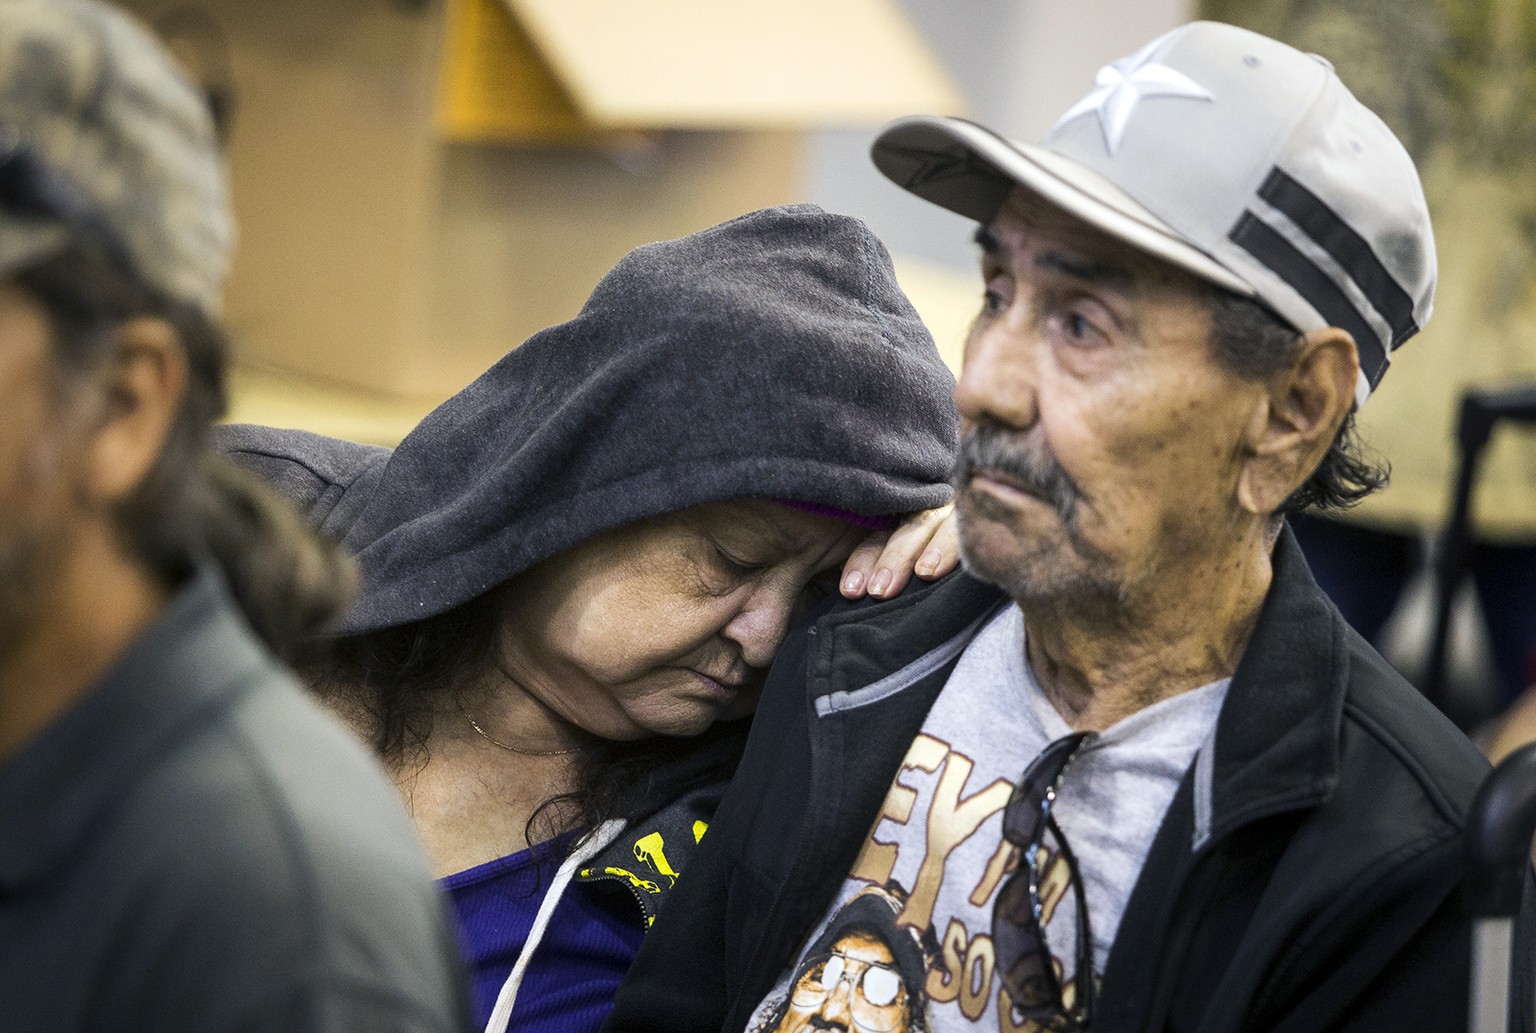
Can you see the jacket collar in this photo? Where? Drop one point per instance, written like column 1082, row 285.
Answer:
column 55, row 789
column 871, row 651
column 1276, row 744
column 1277, row 739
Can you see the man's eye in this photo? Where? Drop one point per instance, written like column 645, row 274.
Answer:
column 1078, row 329
column 991, row 301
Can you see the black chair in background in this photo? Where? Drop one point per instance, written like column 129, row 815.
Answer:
column 1481, row 412
column 1496, row 877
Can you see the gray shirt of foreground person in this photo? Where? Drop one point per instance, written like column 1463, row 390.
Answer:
column 196, row 846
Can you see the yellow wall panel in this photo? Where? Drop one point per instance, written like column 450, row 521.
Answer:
column 494, row 84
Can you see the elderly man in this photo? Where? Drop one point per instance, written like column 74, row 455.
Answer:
column 1233, row 815
column 186, row 841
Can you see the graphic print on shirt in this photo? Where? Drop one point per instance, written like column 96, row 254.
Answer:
column 865, row 971
column 936, row 846
column 936, row 859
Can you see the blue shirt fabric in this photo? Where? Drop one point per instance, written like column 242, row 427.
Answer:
column 591, row 940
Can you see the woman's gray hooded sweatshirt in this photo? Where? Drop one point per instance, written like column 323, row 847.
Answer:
column 772, row 356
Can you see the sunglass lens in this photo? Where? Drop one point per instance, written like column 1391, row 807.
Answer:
column 1026, row 806
column 1022, row 958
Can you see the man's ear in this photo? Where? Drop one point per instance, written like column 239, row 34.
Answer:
column 141, row 391
column 1298, row 418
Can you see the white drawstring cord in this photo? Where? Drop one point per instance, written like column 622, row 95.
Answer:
column 588, row 848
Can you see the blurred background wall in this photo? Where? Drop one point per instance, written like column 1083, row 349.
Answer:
column 421, row 184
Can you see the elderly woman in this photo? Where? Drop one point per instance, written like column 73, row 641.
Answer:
column 573, row 568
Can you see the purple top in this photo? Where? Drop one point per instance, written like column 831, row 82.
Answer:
column 591, row 939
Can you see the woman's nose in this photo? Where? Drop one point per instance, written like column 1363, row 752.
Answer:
column 760, row 626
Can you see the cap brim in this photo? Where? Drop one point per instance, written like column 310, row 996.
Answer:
column 970, row 170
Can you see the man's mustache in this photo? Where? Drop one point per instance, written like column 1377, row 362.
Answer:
column 991, row 450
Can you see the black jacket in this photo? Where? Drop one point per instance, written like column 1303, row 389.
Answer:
column 1305, row 877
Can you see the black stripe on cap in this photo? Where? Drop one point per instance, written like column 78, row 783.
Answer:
column 1347, row 247
column 1282, row 257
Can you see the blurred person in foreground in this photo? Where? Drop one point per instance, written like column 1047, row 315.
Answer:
column 1131, row 769
column 189, row 842
column 577, row 569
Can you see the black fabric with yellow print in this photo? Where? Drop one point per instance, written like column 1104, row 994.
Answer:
column 648, row 855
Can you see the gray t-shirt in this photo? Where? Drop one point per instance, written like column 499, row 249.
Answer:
column 935, row 857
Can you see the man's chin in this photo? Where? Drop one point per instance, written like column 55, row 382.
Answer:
column 1010, row 579
column 991, row 546
column 1026, row 570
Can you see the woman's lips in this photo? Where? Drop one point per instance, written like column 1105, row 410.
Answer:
column 720, row 687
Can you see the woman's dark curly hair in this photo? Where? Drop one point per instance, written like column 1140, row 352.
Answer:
column 1252, row 342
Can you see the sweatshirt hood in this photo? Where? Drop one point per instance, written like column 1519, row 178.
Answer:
column 772, row 356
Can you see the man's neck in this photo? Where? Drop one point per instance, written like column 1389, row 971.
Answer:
column 98, row 604
column 1189, row 629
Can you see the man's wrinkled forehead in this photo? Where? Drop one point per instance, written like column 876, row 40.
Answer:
column 1060, row 242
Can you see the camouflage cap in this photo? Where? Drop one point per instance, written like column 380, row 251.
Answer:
column 98, row 105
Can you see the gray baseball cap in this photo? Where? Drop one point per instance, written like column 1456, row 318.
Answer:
column 1226, row 153
column 100, row 132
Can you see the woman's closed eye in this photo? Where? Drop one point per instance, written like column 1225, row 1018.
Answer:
column 737, row 564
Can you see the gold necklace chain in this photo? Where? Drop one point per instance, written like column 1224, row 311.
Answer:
column 488, row 737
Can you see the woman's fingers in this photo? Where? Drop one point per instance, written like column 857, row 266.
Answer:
column 925, row 543
column 943, row 552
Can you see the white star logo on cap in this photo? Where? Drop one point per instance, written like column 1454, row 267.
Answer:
column 1116, row 94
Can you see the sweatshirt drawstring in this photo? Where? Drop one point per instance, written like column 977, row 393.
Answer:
column 588, row 848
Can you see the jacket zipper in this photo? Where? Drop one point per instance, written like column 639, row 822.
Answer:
column 645, row 918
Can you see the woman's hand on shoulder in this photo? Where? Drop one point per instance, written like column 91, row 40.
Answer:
column 926, row 544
